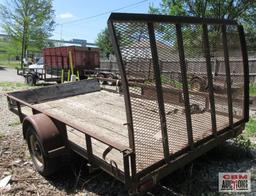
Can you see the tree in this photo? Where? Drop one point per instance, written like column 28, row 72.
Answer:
column 28, row 22
column 104, row 43
column 243, row 11
column 127, row 35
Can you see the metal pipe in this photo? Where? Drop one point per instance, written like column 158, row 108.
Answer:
column 246, row 72
column 183, row 69
column 126, row 92
column 167, row 19
column 160, row 99
column 89, row 148
column 228, row 79
column 209, row 75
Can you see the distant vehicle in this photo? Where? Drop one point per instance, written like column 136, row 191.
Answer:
column 55, row 64
column 38, row 65
column 35, row 71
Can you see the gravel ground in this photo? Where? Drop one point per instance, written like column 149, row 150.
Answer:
column 197, row 178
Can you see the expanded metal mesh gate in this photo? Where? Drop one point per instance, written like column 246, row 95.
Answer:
column 171, row 106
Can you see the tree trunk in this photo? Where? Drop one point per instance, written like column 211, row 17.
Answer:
column 23, row 46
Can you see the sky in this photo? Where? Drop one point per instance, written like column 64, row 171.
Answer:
column 69, row 11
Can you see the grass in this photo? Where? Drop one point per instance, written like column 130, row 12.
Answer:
column 10, row 64
column 12, row 84
column 243, row 140
column 252, row 89
column 250, row 128
column 174, row 83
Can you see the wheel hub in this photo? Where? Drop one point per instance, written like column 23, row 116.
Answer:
column 36, row 151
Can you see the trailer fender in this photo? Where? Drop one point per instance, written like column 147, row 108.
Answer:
column 52, row 133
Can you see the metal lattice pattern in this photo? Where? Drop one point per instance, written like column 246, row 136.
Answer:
column 237, row 72
column 168, row 55
column 179, row 78
column 135, row 48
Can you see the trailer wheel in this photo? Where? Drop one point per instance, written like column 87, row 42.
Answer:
column 101, row 81
column 31, row 79
column 110, row 83
column 43, row 163
column 197, row 84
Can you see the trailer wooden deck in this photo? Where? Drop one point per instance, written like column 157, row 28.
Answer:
column 104, row 112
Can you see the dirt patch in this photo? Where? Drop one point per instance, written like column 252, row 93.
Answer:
column 73, row 180
column 199, row 177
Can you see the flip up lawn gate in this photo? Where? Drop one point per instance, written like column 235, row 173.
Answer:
column 168, row 127
column 159, row 123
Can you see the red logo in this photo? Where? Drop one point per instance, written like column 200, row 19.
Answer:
column 234, row 182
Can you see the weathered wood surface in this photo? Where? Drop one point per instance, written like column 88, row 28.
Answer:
column 60, row 91
column 104, row 112
column 101, row 112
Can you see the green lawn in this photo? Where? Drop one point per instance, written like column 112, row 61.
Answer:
column 11, row 64
column 252, row 89
column 250, row 128
column 13, row 84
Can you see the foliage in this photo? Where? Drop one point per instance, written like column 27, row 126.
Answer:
column 252, row 89
column 28, row 23
column 9, row 63
column 104, row 43
column 242, row 11
column 250, row 128
column 243, row 140
column 12, row 84
column 9, row 51
column 168, row 81
column 127, row 35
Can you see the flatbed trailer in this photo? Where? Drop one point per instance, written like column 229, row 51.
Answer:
column 149, row 129
column 55, row 66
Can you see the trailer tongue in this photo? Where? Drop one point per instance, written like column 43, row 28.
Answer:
column 152, row 127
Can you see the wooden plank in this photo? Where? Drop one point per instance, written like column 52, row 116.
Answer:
column 103, row 112
column 59, row 91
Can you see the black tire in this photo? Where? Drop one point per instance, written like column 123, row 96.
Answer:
column 44, row 165
column 197, row 84
column 31, row 79
column 110, row 83
column 102, row 82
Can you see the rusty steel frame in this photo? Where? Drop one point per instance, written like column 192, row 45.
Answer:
column 161, row 168
column 15, row 106
column 185, row 85
column 159, row 91
column 246, row 71
column 228, row 77
column 170, row 162
column 209, row 76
